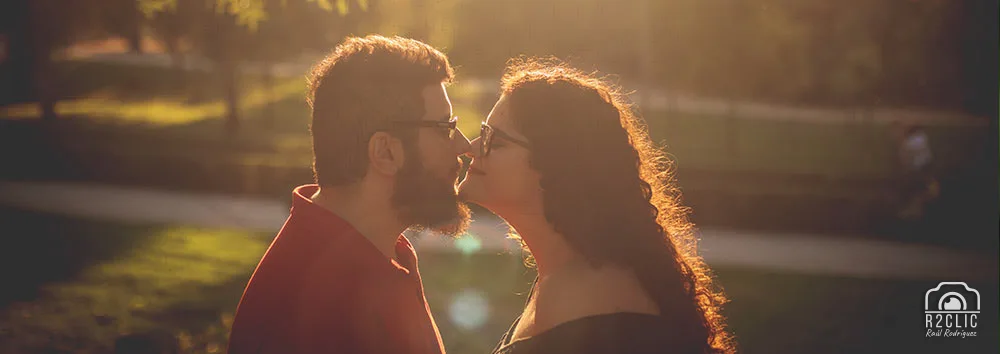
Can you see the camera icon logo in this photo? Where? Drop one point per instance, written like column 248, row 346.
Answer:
column 951, row 309
column 952, row 297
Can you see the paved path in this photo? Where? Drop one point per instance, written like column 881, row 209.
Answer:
column 802, row 253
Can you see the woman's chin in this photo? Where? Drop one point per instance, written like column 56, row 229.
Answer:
column 466, row 191
column 469, row 196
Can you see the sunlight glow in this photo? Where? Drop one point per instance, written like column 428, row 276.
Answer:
column 157, row 111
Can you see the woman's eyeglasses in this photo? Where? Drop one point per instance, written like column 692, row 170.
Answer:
column 451, row 125
column 486, row 135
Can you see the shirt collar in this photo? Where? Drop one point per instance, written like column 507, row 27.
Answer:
column 322, row 221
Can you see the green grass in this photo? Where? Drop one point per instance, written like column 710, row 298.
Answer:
column 860, row 151
column 153, row 113
column 786, row 313
column 142, row 110
column 79, row 285
column 155, row 96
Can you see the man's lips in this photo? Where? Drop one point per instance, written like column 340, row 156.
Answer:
column 477, row 171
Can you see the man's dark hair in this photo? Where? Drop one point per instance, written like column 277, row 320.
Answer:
column 360, row 88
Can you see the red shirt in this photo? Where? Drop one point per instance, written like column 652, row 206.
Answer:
column 322, row 287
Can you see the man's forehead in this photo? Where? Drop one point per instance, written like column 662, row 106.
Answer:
column 499, row 112
column 436, row 103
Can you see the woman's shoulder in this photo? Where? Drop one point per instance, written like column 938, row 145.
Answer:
column 588, row 293
column 623, row 332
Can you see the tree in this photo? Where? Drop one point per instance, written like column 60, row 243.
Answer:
column 53, row 24
column 171, row 23
column 123, row 18
column 231, row 33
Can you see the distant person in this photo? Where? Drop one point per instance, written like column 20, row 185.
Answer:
column 340, row 277
column 918, row 184
column 565, row 161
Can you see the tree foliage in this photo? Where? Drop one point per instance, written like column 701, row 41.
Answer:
column 818, row 52
column 231, row 33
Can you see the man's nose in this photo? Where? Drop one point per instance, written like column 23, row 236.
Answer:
column 462, row 144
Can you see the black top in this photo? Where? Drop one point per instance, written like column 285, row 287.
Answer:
column 623, row 332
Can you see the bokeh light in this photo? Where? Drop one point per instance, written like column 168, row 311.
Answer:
column 469, row 309
column 468, row 243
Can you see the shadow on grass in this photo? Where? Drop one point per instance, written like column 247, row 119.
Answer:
column 171, row 290
column 162, row 287
column 133, row 83
column 199, row 322
column 43, row 249
column 790, row 313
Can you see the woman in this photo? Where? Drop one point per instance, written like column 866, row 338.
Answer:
column 564, row 160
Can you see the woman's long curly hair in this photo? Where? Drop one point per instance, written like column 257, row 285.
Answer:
column 609, row 190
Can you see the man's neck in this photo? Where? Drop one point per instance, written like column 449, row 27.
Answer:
column 372, row 217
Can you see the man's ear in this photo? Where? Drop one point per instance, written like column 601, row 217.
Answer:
column 385, row 152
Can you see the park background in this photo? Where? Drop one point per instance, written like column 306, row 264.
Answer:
column 148, row 149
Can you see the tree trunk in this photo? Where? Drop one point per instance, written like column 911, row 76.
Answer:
column 177, row 60
column 732, row 130
column 133, row 27
column 229, row 76
column 268, row 81
column 42, row 44
column 645, row 54
column 422, row 30
column 43, row 87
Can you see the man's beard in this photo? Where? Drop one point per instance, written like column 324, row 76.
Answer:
column 427, row 201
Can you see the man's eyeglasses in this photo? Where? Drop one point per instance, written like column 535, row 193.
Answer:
column 451, row 125
column 486, row 135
